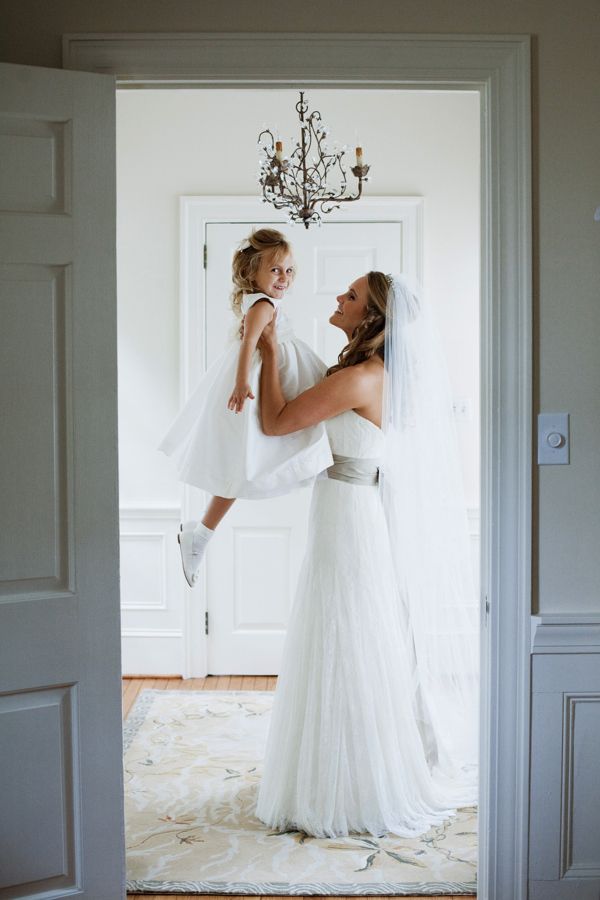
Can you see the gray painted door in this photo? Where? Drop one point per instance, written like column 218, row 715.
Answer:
column 61, row 829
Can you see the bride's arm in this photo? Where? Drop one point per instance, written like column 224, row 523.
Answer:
column 345, row 389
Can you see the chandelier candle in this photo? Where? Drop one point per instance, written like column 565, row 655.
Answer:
column 301, row 183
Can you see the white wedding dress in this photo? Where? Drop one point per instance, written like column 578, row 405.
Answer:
column 344, row 752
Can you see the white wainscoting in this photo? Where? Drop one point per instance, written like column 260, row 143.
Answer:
column 564, row 850
column 153, row 599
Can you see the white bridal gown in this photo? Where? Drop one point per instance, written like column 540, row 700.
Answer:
column 344, row 752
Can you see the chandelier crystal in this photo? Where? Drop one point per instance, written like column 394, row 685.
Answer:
column 301, row 182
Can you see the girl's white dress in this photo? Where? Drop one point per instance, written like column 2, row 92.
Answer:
column 227, row 453
column 344, row 751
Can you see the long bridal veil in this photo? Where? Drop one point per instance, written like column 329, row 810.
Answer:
column 422, row 492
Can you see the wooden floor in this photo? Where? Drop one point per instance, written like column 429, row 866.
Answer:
column 132, row 687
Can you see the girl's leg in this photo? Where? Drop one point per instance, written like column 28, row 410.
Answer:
column 193, row 539
column 216, row 510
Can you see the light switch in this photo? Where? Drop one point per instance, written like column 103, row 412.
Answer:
column 553, row 439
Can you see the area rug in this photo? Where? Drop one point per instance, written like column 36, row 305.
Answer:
column 193, row 762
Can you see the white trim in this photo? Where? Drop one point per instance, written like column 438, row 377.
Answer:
column 248, row 60
column 565, row 633
column 498, row 66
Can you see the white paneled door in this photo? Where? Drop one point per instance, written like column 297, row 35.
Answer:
column 254, row 559
column 61, row 828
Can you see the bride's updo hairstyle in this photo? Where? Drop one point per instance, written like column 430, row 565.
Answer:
column 246, row 261
column 368, row 337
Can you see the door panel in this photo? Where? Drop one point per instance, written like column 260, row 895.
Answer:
column 36, row 307
column 254, row 558
column 60, row 692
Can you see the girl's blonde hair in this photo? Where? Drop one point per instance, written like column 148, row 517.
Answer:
column 368, row 337
column 246, row 261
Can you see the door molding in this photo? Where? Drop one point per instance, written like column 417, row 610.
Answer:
column 498, row 66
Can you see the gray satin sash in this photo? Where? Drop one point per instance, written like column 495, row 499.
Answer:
column 354, row 471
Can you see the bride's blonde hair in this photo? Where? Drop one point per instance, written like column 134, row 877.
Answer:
column 369, row 336
column 246, row 261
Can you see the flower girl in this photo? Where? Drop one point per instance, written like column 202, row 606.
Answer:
column 217, row 439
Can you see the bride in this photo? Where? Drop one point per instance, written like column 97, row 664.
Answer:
column 373, row 727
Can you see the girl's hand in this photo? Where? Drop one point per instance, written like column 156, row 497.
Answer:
column 239, row 395
column 267, row 341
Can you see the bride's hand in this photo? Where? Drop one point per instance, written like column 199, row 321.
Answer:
column 267, row 342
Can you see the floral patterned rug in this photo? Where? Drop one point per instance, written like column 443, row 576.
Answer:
column 193, row 762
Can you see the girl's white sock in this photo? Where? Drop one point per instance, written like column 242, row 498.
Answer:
column 202, row 535
column 203, row 532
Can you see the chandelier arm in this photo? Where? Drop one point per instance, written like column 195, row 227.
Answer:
column 339, row 200
column 327, row 209
column 270, row 133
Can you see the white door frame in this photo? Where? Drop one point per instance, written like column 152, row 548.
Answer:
column 195, row 213
column 498, row 66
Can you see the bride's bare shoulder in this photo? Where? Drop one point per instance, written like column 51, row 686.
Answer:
column 371, row 368
column 365, row 376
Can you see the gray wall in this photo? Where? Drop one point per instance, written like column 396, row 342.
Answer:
column 566, row 165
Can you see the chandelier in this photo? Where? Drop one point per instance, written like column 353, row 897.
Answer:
column 301, row 182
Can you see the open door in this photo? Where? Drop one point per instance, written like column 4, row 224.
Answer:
column 61, row 829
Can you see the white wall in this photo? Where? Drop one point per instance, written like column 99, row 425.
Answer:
column 204, row 142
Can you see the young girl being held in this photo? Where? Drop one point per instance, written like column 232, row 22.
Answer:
column 217, row 439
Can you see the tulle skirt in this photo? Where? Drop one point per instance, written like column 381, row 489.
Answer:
column 344, row 751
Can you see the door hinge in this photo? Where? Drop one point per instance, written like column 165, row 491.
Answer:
column 205, row 255
column 206, row 622
column 487, row 606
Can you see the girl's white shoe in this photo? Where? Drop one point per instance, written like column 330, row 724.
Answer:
column 192, row 539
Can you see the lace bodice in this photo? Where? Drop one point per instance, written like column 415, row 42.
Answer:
column 352, row 435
